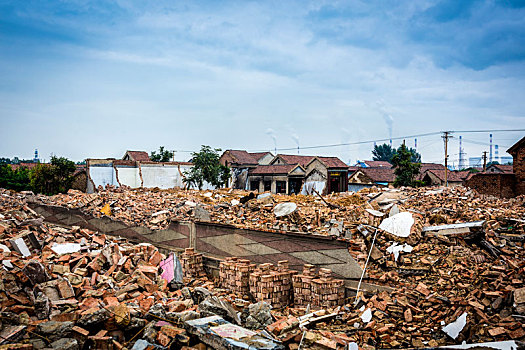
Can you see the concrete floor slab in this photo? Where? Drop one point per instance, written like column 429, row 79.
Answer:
column 164, row 235
column 316, row 258
column 339, row 254
column 260, row 249
column 230, row 244
column 346, row 270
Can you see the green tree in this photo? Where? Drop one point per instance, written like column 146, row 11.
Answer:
column 53, row 178
column 405, row 170
column 17, row 180
column 494, row 162
column 383, row 152
column 207, row 168
column 163, row 156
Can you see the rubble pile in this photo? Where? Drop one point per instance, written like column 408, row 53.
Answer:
column 156, row 208
column 448, row 266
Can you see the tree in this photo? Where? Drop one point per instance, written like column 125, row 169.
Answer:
column 383, row 152
column 207, row 168
column 494, row 162
column 405, row 170
column 415, row 157
column 17, row 180
column 163, row 155
column 53, row 178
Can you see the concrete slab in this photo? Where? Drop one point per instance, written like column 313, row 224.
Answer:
column 346, row 270
column 316, row 258
column 106, row 224
column 231, row 244
column 339, row 254
column 259, row 249
column 164, row 235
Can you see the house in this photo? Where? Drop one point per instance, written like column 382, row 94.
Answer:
column 499, row 181
column 500, row 169
column 436, row 177
column 429, row 166
column 518, row 165
column 300, row 174
column 137, row 156
column 240, row 162
column 369, row 177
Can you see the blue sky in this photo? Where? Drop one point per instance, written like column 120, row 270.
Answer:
column 92, row 79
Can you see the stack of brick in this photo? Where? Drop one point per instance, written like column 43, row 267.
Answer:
column 192, row 266
column 327, row 292
column 302, row 286
column 272, row 284
column 234, row 274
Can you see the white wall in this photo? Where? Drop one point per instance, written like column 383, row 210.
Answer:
column 129, row 176
column 162, row 176
column 103, row 175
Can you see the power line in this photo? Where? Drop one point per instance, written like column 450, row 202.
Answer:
column 380, row 140
column 388, row 139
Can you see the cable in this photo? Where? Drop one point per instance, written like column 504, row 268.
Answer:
column 379, row 140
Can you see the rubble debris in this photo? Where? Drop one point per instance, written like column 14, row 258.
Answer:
column 111, row 293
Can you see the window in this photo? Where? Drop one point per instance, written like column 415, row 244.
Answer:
column 267, row 185
column 254, row 185
column 280, row 187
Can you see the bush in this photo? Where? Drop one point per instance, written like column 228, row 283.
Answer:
column 53, row 178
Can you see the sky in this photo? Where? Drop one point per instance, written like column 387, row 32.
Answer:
column 92, row 79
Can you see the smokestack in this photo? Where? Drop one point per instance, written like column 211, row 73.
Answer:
column 490, row 154
column 415, row 144
column 496, row 153
column 390, row 143
column 461, row 161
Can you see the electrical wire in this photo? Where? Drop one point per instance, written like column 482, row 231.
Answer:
column 381, row 140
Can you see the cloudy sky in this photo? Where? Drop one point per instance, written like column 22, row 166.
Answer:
column 92, row 79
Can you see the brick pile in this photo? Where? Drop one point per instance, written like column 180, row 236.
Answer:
column 234, row 274
column 302, row 286
column 327, row 292
column 272, row 284
column 192, row 266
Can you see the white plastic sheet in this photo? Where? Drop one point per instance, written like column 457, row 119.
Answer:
column 396, row 248
column 66, row 248
column 309, row 186
column 399, row 225
column 453, row 329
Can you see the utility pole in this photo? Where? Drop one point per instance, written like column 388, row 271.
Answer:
column 484, row 161
column 445, row 137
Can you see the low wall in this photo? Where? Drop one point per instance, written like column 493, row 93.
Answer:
column 494, row 184
column 221, row 241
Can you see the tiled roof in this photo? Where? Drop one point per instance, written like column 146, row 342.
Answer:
column 296, row 159
column 272, row 169
column 377, row 164
column 242, row 157
column 379, row 174
column 429, row 166
column 330, row 162
column 258, row 155
column 452, row 176
column 333, row 162
column 139, row 156
column 508, row 169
